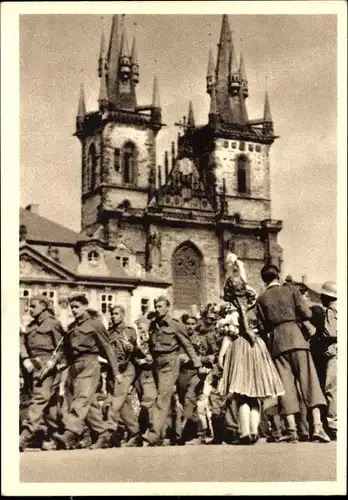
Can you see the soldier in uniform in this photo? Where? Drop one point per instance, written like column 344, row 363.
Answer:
column 167, row 336
column 123, row 341
column 86, row 339
column 37, row 345
column 280, row 309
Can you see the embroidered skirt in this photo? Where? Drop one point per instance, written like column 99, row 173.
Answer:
column 250, row 371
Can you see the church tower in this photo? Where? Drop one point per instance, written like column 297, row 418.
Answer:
column 211, row 194
column 118, row 140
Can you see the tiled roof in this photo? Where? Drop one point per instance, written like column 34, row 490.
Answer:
column 41, row 229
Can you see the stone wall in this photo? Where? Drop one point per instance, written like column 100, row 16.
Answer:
column 89, row 210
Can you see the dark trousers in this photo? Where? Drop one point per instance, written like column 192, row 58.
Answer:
column 42, row 412
column 122, row 403
column 147, row 392
column 82, row 403
column 297, row 372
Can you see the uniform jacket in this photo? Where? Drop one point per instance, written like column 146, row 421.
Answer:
column 87, row 335
column 123, row 340
column 279, row 310
column 205, row 345
column 41, row 337
column 167, row 336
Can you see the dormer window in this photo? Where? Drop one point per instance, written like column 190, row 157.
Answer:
column 125, row 262
column 93, row 257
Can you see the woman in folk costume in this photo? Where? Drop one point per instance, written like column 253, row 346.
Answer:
column 249, row 375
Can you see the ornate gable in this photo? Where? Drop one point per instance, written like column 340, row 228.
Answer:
column 33, row 264
column 184, row 190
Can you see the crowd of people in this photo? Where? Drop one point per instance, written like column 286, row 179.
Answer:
column 249, row 367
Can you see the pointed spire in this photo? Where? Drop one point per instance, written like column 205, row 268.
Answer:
column 211, row 66
column 243, row 77
column 124, row 44
column 173, row 154
column 103, row 93
column 113, row 56
column 213, row 104
column 190, row 116
column 166, row 166
column 102, row 55
column 233, row 61
column 267, row 117
column 159, row 174
column 222, row 68
column 134, row 53
column 155, row 94
column 81, row 111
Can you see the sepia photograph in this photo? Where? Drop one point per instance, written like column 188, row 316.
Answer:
column 173, row 179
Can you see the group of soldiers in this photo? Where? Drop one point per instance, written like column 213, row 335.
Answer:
column 152, row 385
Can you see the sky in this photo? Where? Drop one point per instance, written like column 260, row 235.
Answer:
column 293, row 55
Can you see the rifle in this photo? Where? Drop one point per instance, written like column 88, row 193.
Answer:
column 52, row 362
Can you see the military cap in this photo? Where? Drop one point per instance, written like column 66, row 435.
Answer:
column 41, row 298
column 79, row 297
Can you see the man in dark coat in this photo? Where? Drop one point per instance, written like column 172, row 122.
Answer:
column 280, row 310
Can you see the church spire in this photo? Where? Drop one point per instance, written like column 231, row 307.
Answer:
column 103, row 93
column 81, row 111
column 234, row 77
column 267, row 117
column 102, row 63
column 190, row 116
column 223, row 71
column 125, row 61
column 243, row 77
column 113, row 57
column 134, row 62
column 210, row 72
column 155, row 94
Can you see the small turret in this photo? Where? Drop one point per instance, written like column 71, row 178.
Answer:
column 234, row 81
column 210, row 72
column 156, row 104
column 267, row 117
column 166, row 166
column 125, row 66
column 81, row 110
column 173, row 154
column 134, row 63
column 190, row 116
column 213, row 108
column 102, row 61
column 243, row 78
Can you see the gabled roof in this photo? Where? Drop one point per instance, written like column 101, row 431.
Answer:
column 41, row 229
column 54, row 269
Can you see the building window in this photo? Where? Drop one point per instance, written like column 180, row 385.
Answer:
column 258, row 148
column 234, row 145
column 243, row 175
column 93, row 257
column 50, row 294
column 129, row 163
column 125, row 261
column 24, row 301
column 242, row 145
column 117, row 159
column 106, row 300
column 225, row 144
column 251, row 147
column 92, row 167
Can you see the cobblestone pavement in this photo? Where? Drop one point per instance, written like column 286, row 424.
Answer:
column 260, row 463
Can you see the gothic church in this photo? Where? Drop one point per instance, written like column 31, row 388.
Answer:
column 211, row 194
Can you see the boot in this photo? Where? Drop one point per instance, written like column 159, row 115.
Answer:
column 103, row 441
column 49, row 445
column 200, row 439
column 134, row 441
column 24, row 440
column 216, row 423
column 67, row 440
column 291, row 436
column 319, row 435
column 85, row 441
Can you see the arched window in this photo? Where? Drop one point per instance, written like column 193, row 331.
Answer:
column 92, row 167
column 129, row 163
column 243, row 175
column 187, row 267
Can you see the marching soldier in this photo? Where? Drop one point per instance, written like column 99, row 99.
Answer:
column 167, row 336
column 37, row 345
column 123, row 341
column 86, row 339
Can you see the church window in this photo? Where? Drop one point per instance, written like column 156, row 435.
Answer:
column 187, row 267
column 258, row 148
column 93, row 257
column 117, row 159
column 92, row 167
column 243, row 175
column 129, row 163
column 242, row 145
column 106, row 300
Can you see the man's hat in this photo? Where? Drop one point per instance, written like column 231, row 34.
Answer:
column 329, row 289
column 79, row 297
column 41, row 298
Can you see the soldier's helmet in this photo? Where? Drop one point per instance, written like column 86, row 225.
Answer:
column 329, row 289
